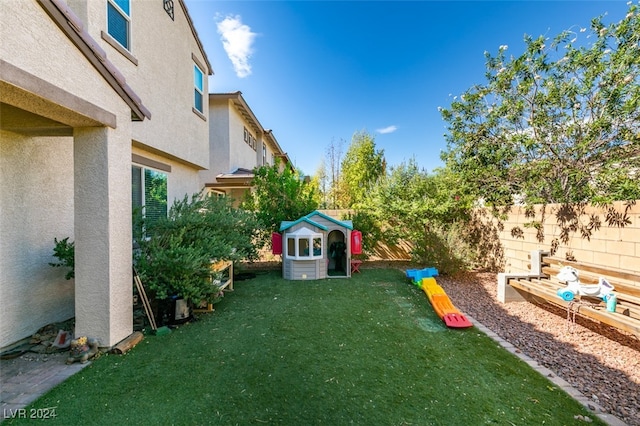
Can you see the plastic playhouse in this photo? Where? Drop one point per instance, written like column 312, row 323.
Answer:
column 317, row 246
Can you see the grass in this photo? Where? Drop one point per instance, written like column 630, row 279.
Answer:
column 367, row 351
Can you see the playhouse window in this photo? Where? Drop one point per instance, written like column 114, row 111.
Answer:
column 303, row 247
column 304, row 244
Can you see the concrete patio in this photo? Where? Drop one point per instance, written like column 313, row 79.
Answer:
column 29, row 376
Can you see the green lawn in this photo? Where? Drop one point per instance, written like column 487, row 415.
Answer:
column 367, row 351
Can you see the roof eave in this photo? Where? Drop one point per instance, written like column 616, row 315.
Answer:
column 195, row 35
column 74, row 29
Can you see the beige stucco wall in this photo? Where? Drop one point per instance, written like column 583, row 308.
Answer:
column 102, row 225
column 240, row 153
column 82, row 187
column 55, row 60
column 162, row 78
column 219, row 137
column 237, row 196
column 228, row 150
column 612, row 246
column 268, row 160
column 36, row 196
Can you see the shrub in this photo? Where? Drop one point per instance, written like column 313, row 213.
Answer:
column 65, row 252
column 445, row 246
column 175, row 257
column 372, row 233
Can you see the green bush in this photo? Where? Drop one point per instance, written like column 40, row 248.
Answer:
column 174, row 259
column 446, row 247
column 277, row 196
column 372, row 233
column 65, row 252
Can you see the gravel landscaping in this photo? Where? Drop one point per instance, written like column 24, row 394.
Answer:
column 599, row 361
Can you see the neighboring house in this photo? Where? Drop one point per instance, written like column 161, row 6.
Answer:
column 100, row 102
column 238, row 144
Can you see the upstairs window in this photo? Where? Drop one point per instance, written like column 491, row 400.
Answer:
column 119, row 21
column 250, row 139
column 198, row 91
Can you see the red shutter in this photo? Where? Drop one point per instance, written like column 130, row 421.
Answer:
column 276, row 243
column 356, row 242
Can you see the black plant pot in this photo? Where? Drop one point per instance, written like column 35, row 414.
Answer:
column 172, row 311
column 181, row 311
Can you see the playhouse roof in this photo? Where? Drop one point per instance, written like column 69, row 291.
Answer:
column 288, row 224
column 308, row 219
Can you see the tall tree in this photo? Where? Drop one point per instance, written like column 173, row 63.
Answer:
column 559, row 123
column 278, row 196
column 362, row 166
column 321, row 181
column 334, row 158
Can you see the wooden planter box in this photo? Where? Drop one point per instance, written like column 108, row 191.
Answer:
column 226, row 283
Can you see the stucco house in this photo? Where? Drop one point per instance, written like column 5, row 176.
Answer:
column 85, row 129
column 238, row 144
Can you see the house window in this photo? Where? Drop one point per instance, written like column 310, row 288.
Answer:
column 250, row 139
column 119, row 21
column 217, row 194
column 149, row 196
column 264, row 154
column 198, row 91
column 304, row 244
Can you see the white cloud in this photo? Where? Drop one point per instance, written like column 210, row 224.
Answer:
column 237, row 40
column 388, row 129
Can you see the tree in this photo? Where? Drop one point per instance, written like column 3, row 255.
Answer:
column 362, row 166
column 279, row 196
column 334, row 158
column 428, row 211
column 558, row 124
column 321, row 181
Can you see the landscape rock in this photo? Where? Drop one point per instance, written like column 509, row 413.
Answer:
column 600, row 361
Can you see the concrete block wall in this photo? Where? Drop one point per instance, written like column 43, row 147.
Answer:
column 512, row 242
column 609, row 245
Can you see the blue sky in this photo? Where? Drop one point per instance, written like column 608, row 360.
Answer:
column 316, row 72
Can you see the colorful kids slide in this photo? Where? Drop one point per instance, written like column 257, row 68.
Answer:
column 441, row 303
column 416, row 275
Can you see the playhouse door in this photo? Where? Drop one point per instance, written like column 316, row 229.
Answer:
column 337, row 254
